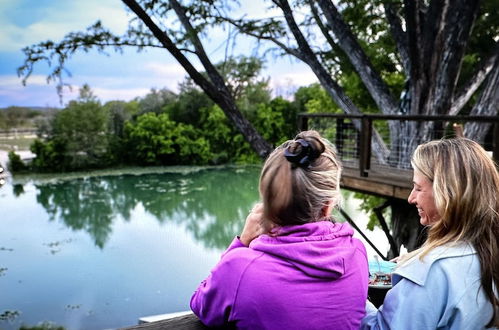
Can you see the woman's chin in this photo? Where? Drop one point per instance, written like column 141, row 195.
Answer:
column 424, row 221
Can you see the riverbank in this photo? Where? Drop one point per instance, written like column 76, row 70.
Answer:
column 25, row 155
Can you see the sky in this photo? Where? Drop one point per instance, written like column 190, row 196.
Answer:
column 113, row 77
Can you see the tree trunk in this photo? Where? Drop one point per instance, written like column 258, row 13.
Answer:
column 216, row 88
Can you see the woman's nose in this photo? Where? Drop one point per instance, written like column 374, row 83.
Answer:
column 411, row 198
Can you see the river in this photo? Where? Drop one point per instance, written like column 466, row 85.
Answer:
column 99, row 250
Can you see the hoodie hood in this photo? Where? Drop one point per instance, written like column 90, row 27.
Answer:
column 319, row 249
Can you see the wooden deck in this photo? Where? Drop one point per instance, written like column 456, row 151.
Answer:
column 381, row 181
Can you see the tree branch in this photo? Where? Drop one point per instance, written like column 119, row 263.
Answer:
column 472, row 85
column 346, row 40
column 399, row 36
column 333, row 89
column 323, row 27
column 487, row 104
column 413, row 27
column 447, row 50
column 212, row 72
column 309, row 57
column 170, row 46
column 96, row 37
column 248, row 27
column 216, row 89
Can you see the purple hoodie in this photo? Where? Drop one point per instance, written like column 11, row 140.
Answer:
column 311, row 276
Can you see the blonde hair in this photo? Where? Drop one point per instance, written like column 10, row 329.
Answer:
column 466, row 191
column 294, row 193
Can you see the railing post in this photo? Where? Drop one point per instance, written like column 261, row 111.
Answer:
column 365, row 146
column 495, row 142
column 303, row 122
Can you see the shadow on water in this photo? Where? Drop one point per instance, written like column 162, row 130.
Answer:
column 211, row 204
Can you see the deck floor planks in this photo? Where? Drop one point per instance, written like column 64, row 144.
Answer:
column 381, row 180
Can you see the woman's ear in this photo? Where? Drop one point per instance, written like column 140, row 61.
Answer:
column 327, row 209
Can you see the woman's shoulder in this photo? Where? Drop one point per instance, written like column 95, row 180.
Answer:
column 446, row 260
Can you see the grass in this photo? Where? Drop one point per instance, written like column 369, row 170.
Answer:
column 11, row 143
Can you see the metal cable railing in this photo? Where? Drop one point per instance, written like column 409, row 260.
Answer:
column 358, row 137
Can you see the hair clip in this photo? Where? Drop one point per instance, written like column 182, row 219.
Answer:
column 303, row 157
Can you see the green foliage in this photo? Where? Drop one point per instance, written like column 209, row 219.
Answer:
column 157, row 140
column 188, row 106
column 156, row 100
column 3, row 121
column 367, row 204
column 42, row 326
column 50, row 156
column 9, row 315
column 167, row 129
column 242, row 75
column 15, row 163
column 82, row 127
column 220, row 134
column 78, row 137
column 273, row 121
column 18, row 117
column 314, row 99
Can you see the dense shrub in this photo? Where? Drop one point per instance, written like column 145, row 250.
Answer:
column 15, row 163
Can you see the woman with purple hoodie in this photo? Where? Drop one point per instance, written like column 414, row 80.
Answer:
column 293, row 267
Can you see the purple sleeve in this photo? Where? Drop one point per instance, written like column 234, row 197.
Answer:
column 213, row 300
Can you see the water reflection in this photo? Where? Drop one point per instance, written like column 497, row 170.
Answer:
column 211, row 204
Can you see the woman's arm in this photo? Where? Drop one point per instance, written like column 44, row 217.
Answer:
column 213, row 300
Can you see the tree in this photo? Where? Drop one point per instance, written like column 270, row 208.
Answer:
column 428, row 43
column 157, row 140
column 445, row 51
column 119, row 113
column 156, row 100
column 78, row 136
column 431, row 52
column 150, row 29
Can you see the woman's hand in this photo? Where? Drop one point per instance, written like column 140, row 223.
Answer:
column 255, row 225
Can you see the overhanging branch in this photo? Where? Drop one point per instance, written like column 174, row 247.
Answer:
column 474, row 83
column 346, row 40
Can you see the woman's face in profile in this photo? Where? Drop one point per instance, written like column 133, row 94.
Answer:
column 422, row 196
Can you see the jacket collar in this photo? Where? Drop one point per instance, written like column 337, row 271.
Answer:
column 417, row 270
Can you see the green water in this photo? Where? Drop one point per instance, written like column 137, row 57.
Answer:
column 95, row 252
column 100, row 250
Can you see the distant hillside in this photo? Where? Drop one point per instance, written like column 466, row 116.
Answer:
column 41, row 109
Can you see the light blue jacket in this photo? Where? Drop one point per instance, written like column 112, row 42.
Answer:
column 441, row 292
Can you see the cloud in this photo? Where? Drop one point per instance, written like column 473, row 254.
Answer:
column 52, row 22
column 14, row 82
column 38, row 93
column 303, row 78
column 166, row 70
column 122, row 94
column 286, row 84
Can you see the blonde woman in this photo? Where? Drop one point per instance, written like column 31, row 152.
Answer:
column 451, row 282
column 292, row 267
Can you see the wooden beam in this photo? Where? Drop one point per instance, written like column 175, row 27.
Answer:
column 381, row 182
column 185, row 322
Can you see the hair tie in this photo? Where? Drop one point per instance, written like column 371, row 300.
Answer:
column 303, row 156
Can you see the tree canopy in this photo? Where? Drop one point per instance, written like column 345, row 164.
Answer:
column 442, row 55
column 389, row 56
